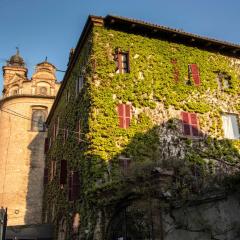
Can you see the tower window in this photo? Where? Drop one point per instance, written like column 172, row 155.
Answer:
column 38, row 119
column 42, row 91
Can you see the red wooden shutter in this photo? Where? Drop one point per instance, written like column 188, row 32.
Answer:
column 45, row 178
column 186, row 123
column 63, row 172
column 46, row 145
column 195, row 74
column 70, row 186
column 127, row 115
column 128, row 62
column 119, row 57
column 76, row 185
column 124, row 115
column 194, row 124
column 175, row 70
column 78, row 130
column 121, row 115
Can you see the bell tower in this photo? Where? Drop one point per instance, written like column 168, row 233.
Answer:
column 14, row 73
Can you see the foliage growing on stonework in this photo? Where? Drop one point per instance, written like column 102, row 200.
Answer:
column 155, row 131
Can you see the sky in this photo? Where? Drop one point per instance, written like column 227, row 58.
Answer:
column 51, row 28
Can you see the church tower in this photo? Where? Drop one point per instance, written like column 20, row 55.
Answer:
column 24, row 107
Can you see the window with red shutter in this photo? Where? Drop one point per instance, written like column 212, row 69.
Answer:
column 46, row 145
column 124, row 115
column 190, row 124
column 45, row 179
column 74, row 186
column 70, row 186
column 175, row 70
column 63, row 172
column 193, row 70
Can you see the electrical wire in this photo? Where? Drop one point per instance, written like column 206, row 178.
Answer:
column 27, row 118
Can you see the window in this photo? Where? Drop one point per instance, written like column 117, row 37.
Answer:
column 223, row 80
column 65, row 135
column 190, row 124
column 55, row 128
column 125, row 164
column 73, row 186
column 53, row 169
column 194, row 74
column 124, row 115
column 122, row 61
column 42, row 91
column 38, row 119
column 63, row 172
column 14, row 90
column 175, row 70
column 78, row 131
column 230, row 126
column 79, row 84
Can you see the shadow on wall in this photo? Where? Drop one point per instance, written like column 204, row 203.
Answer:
column 170, row 186
column 35, row 179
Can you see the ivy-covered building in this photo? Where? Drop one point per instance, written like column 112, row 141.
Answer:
column 143, row 137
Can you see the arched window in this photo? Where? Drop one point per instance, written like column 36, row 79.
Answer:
column 38, row 119
column 14, row 90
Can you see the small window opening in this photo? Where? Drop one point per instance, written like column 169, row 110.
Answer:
column 223, row 80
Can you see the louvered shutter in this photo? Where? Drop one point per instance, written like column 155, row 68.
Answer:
column 124, row 115
column 76, row 186
column 195, row 74
column 119, row 60
column 175, row 70
column 63, row 172
column 78, row 130
column 46, row 145
column 45, row 178
column 194, row 124
column 186, row 123
column 70, row 186
column 127, row 115
column 121, row 115
column 128, row 61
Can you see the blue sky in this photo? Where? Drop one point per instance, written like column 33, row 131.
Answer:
column 51, row 27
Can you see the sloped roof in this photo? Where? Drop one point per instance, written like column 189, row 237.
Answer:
column 146, row 29
column 173, row 34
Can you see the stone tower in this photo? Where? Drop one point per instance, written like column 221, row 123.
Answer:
column 24, row 106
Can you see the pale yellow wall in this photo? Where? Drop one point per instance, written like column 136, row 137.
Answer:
column 22, row 150
column 21, row 162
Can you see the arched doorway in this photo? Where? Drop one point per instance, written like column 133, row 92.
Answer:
column 141, row 220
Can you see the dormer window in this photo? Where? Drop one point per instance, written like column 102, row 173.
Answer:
column 122, row 61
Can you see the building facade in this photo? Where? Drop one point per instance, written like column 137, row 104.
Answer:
column 24, row 107
column 144, row 136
